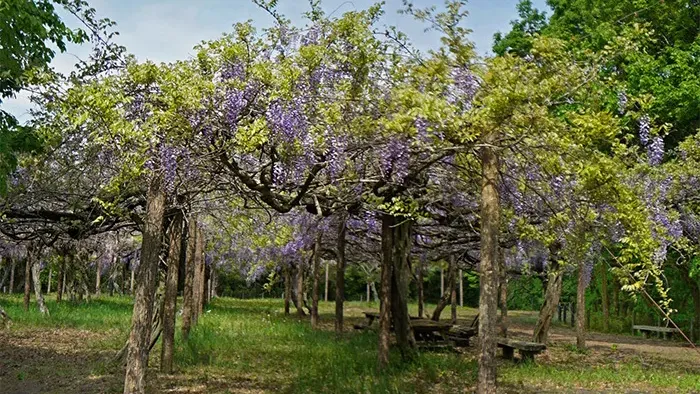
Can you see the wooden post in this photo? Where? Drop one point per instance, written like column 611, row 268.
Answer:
column 368, row 292
column 48, row 287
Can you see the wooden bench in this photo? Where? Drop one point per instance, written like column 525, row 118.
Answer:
column 647, row 330
column 461, row 335
column 527, row 350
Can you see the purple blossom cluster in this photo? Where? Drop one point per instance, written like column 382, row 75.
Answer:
column 337, row 145
column 466, row 85
column 644, row 129
column 655, row 151
column 622, row 102
column 394, row 159
column 287, row 121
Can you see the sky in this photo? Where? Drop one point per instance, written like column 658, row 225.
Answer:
column 167, row 30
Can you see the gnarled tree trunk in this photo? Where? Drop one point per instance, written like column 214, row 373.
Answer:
column 488, row 280
column 385, row 296
column 287, row 289
column 170, row 298
column 139, row 338
column 396, row 235
column 27, row 282
column 447, row 291
column 33, row 255
column 188, row 291
column 581, row 307
column 551, row 301
column 299, row 296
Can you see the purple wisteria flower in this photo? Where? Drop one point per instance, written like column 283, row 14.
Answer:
column 644, row 128
column 655, row 151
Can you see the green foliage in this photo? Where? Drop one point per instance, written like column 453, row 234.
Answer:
column 28, row 28
column 520, row 38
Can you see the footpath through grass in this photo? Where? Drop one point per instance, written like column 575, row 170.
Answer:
column 251, row 346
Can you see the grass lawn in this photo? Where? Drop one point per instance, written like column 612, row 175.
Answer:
column 250, row 346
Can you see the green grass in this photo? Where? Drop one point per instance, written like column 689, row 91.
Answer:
column 251, row 344
column 252, row 340
column 99, row 314
column 624, row 377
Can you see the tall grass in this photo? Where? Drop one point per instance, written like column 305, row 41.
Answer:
column 252, row 340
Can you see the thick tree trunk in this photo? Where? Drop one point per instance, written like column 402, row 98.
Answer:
column 400, row 242
column 287, row 289
column 139, row 338
column 170, row 298
column 188, row 290
column 488, row 280
column 421, row 294
column 316, row 280
column 340, row 277
column 13, row 265
column 551, row 301
column 581, row 307
column 385, row 296
column 300, row 291
column 604, row 296
column 447, row 291
column 198, row 276
column 33, row 255
column 27, row 282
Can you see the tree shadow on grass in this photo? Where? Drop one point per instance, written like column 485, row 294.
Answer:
column 31, row 369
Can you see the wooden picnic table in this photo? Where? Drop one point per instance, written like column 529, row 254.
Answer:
column 647, row 330
column 527, row 350
column 426, row 330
